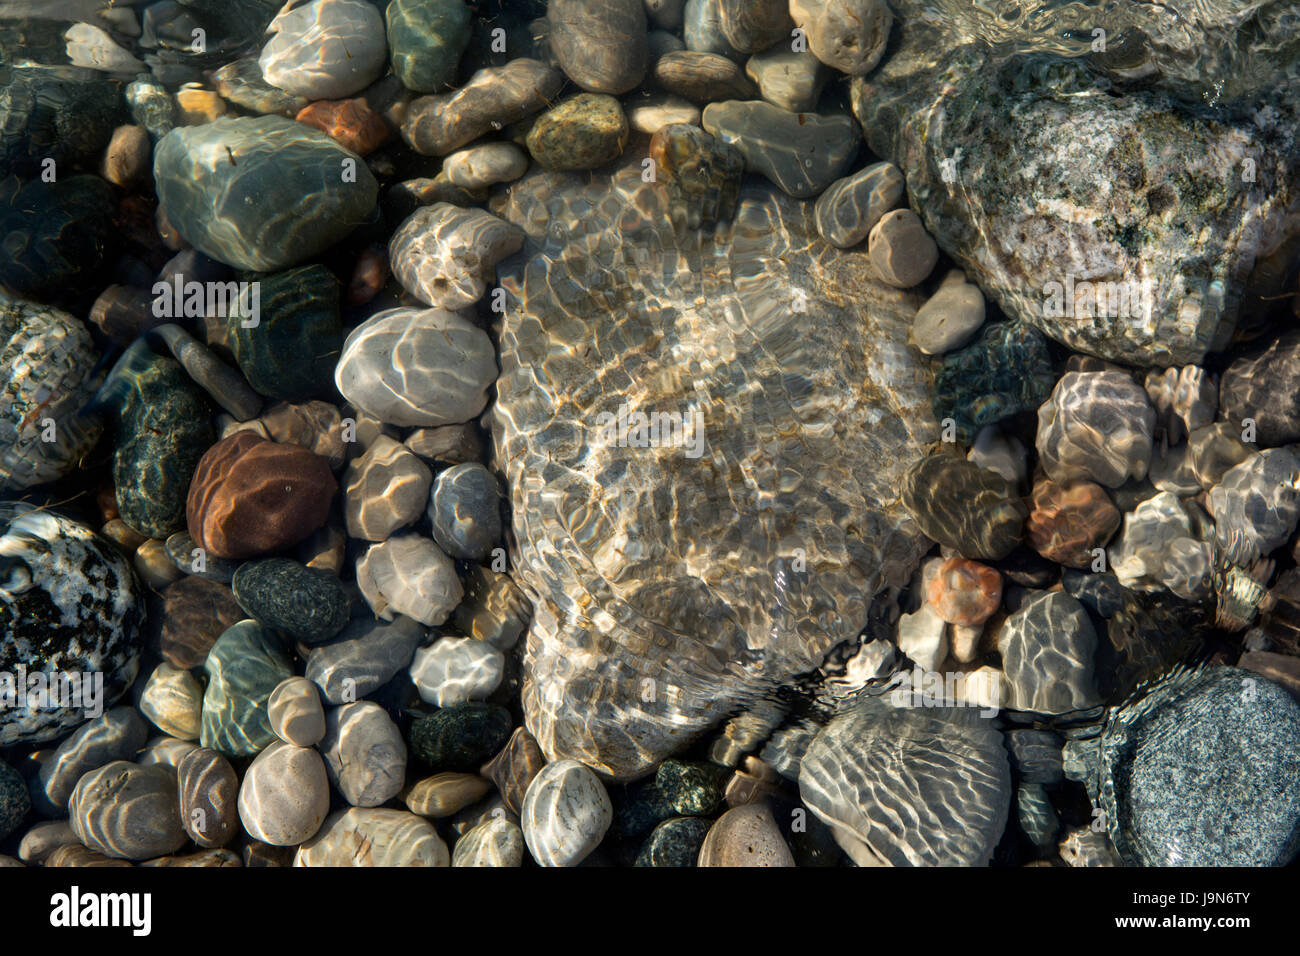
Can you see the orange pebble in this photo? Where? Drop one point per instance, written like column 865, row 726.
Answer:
column 964, row 592
column 351, row 123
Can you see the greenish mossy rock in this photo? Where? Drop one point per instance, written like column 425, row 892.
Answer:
column 162, row 427
column 460, row 738
column 584, row 132
column 1005, row 371
column 308, row 603
column 291, row 352
column 691, row 789
column 675, row 842
column 261, row 193
column 55, row 235
column 244, row 666
column 425, row 41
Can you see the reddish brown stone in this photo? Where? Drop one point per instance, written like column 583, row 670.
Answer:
column 964, row 592
column 1067, row 522
column 350, row 123
column 195, row 613
column 369, row 275
column 513, row 769
column 251, row 496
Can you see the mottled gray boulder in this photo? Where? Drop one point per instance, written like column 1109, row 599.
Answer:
column 1256, row 505
column 1047, row 649
column 600, row 44
column 802, row 153
column 261, row 193
column 909, row 786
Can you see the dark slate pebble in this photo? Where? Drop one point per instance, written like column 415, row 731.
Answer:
column 1035, row 755
column 675, row 842
column 15, row 804
column 462, row 737
column 1005, row 371
column 959, row 504
column 1101, row 593
column 47, row 116
column 308, row 603
column 465, row 509
column 244, row 666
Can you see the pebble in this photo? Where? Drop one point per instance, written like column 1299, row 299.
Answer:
column 600, row 44
column 285, row 795
column 493, row 98
column 197, row 106
column 15, row 803
column 1215, row 449
column 649, row 114
column 445, row 255
column 1084, row 846
column 295, row 711
column 481, row 166
column 121, row 535
column 126, row 811
column 747, row 835
column 465, row 511
column 454, row 670
column 365, row 756
column 240, row 82
column 409, row 575
column 306, row 603
column 583, row 132
column 43, row 839
column 702, row 77
column 363, row 658
column 447, row 365
column 91, row 47
column 350, row 123
column 195, row 613
column 250, row 496
column 901, row 251
column 426, row 39
column 384, row 490
column 374, row 837
column 325, row 49
column 566, row 814
column 209, row 794
column 950, row 317
column 659, row 42
column 702, row 28
column 1185, row 399
column 244, row 666
column 1264, row 385
column 848, row 35
column 195, row 561
column 513, row 769
column 444, row 794
column 165, row 751
column 316, row 426
column 494, row 609
column 223, row 384
column 1047, row 649
column 1035, row 755
column 801, row 153
column 154, row 565
column 1256, row 505
column 123, row 313
column 1005, row 371
column 1067, row 523
column 126, row 161
column 789, row 79
column 285, row 164
column 1157, row 548
column 961, row 506
column 754, row 25
column 1036, row 814
column 963, row 592
column 173, row 700
column 460, row 737
column 674, row 842
column 923, row 638
column 1097, row 426
column 494, row 842
column 79, row 856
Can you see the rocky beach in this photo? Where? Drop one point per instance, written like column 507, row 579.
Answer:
column 649, row 433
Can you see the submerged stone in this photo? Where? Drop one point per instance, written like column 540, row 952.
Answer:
column 56, row 234
column 1004, row 372
column 425, row 40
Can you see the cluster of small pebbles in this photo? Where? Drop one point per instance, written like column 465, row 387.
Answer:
column 282, row 540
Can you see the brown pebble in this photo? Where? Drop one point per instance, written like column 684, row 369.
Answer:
column 195, row 613
column 350, row 123
column 126, row 160
column 1066, row 522
column 513, row 769
column 446, row 793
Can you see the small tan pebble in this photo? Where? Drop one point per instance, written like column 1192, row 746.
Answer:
column 444, row 794
column 155, row 566
column 965, row 642
column 126, row 160
column 950, row 317
column 123, row 535
column 285, row 795
column 168, row 751
column 173, row 700
column 745, row 836
column 651, row 114
column 74, row 854
column 43, row 839
column 486, row 165
column 901, row 250
column 196, row 106
column 296, row 713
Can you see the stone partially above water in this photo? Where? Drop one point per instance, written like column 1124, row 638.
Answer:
column 261, row 193
column 802, row 153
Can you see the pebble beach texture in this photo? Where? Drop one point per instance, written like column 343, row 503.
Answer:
column 650, row 433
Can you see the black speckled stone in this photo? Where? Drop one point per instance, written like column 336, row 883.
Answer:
column 308, row 603
column 55, row 236
column 691, row 789
column 291, row 352
column 15, row 804
column 675, row 842
column 639, row 809
column 460, row 738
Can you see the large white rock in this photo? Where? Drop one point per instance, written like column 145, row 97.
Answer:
column 455, row 670
column 325, row 50
column 565, row 814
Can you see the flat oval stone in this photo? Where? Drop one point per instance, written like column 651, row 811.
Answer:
column 1048, row 648
column 126, row 811
column 454, row 670
column 69, row 604
column 173, row 700
column 240, row 82
column 285, row 795
column 600, row 44
column 325, row 49
column 296, row 714
column 494, row 842
column 444, row 794
column 261, row 193
column 310, row 604
column 702, row 77
column 244, row 666
column 481, row 166
column 374, row 837
column 962, row 506
column 788, row 78
column 584, row 132
column 409, row 575
column 445, row 255
column 850, row 208
column 425, row 40
column 465, row 511
column 650, row 113
column 802, row 153
column 460, row 737
column 745, row 836
column 565, row 814
column 365, row 756
column 754, row 25
column 417, row 367
column 39, row 842
column 950, row 317
column 209, row 794
column 365, row 656
column 901, row 250
column 116, row 735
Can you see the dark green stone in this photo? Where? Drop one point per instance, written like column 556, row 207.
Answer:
column 640, row 808
column 243, row 667
column 461, row 738
column 15, row 803
column 425, row 41
column 1005, row 371
column 291, row 352
column 691, row 789
column 46, row 114
column 675, row 842
column 308, row 603
column 54, row 237
column 163, row 425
